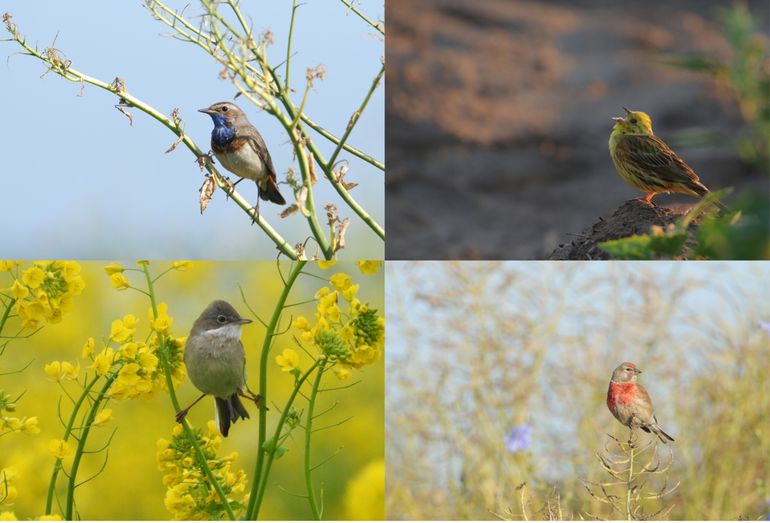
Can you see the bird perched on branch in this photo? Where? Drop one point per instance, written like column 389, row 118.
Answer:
column 647, row 163
column 216, row 362
column 241, row 150
column 630, row 403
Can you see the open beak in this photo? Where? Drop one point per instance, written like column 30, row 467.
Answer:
column 621, row 118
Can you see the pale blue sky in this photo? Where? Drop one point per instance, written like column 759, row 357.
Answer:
column 79, row 182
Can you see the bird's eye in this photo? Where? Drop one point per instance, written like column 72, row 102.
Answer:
column 633, row 120
column 221, row 319
column 224, row 109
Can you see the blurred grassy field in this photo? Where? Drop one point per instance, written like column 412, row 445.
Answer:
column 130, row 485
column 476, row 349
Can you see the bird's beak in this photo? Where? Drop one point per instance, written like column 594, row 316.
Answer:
column 621, row 118
column 636, row 371
column 242, row 321
column 206, row 110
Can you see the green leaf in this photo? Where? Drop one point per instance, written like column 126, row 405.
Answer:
column 636, row 247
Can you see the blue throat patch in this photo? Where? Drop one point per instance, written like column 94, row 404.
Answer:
column 223, row 133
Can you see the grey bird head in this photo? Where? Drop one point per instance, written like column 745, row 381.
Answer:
column 219, row 315
column 228, row 112
column 626, row 372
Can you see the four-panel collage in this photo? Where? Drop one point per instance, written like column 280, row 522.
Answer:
column 201, row 316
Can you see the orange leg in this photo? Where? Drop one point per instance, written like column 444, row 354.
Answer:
column 648, row 198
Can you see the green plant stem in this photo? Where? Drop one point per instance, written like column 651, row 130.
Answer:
column 162, row 348
column 7, row 313
column 67, row 430
column 355, row 117
column 294, row 115
column 363, row 16
column 289, row 40
column 253, row 508
column 317, row 514
column 271, row 455
column 83, row 437
column 629, row 483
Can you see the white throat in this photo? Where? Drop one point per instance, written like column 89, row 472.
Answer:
column 231, row 330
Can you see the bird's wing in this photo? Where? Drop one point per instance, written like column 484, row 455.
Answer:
column 257, row 143
column 242, row 355
column 651, row 154
column 643, row 403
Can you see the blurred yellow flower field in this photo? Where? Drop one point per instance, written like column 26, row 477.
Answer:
column 90, row 338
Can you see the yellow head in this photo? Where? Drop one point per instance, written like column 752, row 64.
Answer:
column 635, row 122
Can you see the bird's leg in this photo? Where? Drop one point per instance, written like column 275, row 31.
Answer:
column 648, row 198
column 256, row 398
column 231, row 186
column 255, row 214
column 204, row 159
column 631, row 438
column 182, row 413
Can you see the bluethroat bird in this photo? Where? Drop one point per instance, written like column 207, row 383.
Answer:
column 216, row 362
column 241, row 150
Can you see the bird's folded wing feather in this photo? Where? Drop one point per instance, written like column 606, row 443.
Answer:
column 651, row 154
column 258, row 145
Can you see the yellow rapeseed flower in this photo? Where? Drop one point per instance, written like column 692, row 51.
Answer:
column 53, row 370
column 161, row 323
column 88, row 348
column 181, row 265
column 325, row 264
column 119, row 281
column 103, row 417
column 342, row 373
column 33, row 277
column 19, row 291
column 287, row 360
column 70, row 371
column 368, row 266
column 340, row 281
column 103, row 361
column 8, row 516
column 8, row 265
column 301, row 323
column 30, row 425
column 59, row 448
column 113, row 268
column 120, row 332
column 49, row 517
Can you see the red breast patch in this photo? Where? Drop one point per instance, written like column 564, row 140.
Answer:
column 620, row 394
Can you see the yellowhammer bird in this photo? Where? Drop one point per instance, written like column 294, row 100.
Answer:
column 646, row 162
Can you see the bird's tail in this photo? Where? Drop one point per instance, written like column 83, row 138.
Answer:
column 665, row 438
column 701, row 190
column 269, row 191
column 229, row 410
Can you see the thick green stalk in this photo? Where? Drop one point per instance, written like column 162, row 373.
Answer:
column 308, row 434
column 67, row 430
column 263, row 363
column 82, row 438
column 253, row 511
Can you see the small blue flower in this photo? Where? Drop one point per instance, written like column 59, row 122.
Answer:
column 518, row 438
column 765, row 325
